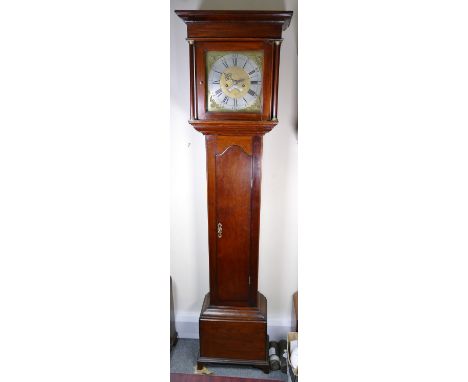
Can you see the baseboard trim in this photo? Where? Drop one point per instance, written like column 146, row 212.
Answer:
column 187, row 326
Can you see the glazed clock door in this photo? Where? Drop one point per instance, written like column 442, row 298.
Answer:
column 234, row 80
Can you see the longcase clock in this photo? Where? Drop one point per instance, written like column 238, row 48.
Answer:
column 234, row 64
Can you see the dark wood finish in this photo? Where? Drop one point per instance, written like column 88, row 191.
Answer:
column 226, row 127
column 233, row 181
column 233, row 172
column 211, row 149
column 203, row 47
column 243, row 313
column 233, row 334
column 237, row 17
column 178, row 377
column 276, row 62
column 225, row 142
column 193, row 105
column 233, row 319
column 257, row 145
column 247, row 344
column 238, row 24
column 227, row 29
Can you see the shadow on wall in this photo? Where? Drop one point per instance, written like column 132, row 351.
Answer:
column 271, row 5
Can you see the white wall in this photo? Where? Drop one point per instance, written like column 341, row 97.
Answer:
column 278, row 226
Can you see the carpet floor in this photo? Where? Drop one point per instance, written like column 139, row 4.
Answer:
column 184, row 360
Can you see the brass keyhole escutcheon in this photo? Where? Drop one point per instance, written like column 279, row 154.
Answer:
column 220, row 230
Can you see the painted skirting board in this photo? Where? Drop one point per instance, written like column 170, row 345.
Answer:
column 187, row 326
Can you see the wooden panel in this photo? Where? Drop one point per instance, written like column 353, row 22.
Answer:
column 233, row 194
column 276, row 62
column 233, row 128
column 257, row 144
column 193, row 106
column 234, row 313
column 236, row 17
column 234, row 177
column 223, row 142
column 229, row 29
column 235, row 340
column 210, row 141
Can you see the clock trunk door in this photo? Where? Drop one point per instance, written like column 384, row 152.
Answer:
column 234, row 178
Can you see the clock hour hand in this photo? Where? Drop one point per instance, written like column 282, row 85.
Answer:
column 234, row 86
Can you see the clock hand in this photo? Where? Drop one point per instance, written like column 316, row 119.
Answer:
column 234, row 86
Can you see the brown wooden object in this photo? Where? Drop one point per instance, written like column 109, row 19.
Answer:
column 233, row 319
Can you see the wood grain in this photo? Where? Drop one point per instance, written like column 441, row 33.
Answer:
column 261, row 24
column 202, row 47
column 233, row 320
column 223, row 142
column 235, row 128
column 233, row 191
column 234, row 335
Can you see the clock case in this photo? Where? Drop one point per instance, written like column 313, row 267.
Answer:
column 233, row 319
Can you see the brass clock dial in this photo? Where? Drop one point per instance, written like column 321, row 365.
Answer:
column 234, row 81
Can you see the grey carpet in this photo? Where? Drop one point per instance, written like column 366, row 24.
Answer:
column 184, row 359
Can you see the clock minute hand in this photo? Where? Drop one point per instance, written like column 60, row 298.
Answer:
column 234, row 86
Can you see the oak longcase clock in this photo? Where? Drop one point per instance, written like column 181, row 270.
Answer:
column 234, row 65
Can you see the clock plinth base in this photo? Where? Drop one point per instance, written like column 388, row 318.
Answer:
column 234, row 335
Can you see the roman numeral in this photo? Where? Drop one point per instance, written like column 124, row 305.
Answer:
column 226, row 99
column 252, row 72
column 252, row 93
column 245, row 100
column 218, row 92
column 223, row 61
column 215, row 82
column 253, row 82
column 234, row 59
column 217, row 71
column 235, row 103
